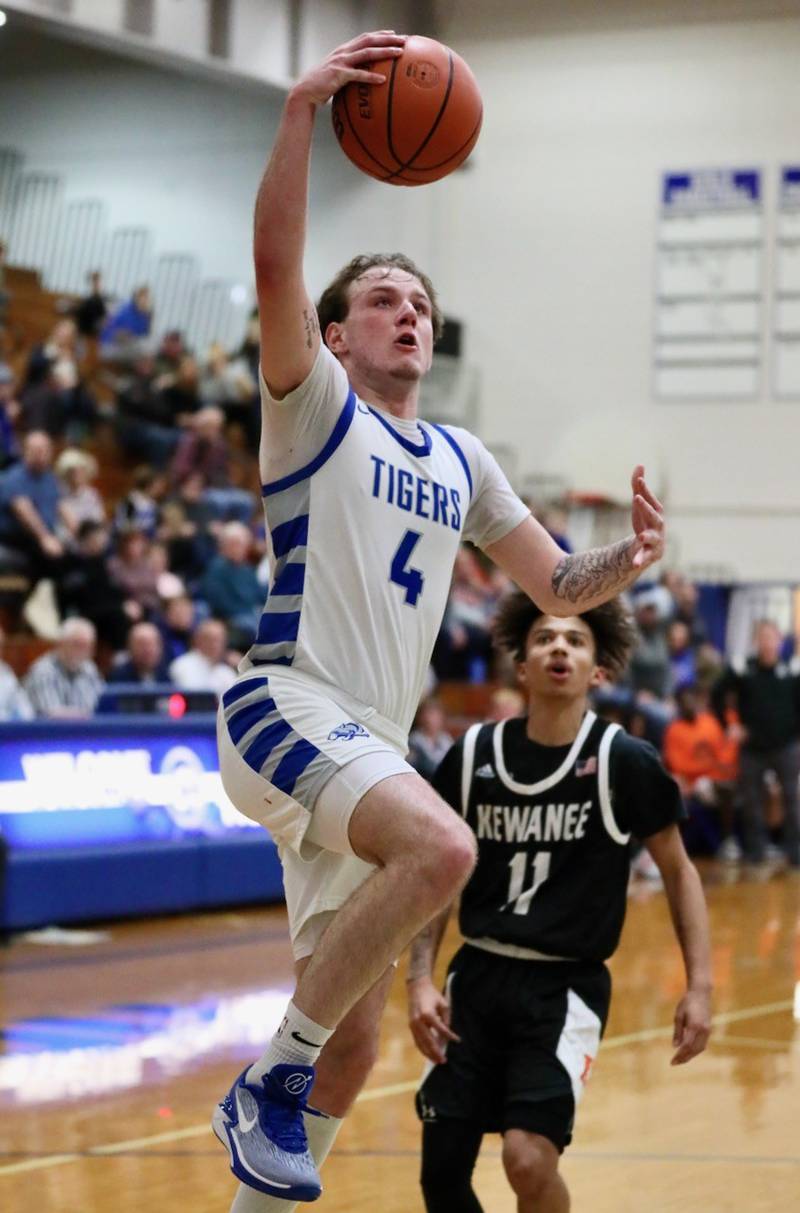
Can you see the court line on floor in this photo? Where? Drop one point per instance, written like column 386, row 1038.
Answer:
column 205, row 944
column 385, row 1092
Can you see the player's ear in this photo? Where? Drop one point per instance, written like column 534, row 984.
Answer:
column 599, row 677
column 521, row 671
column 334, row 338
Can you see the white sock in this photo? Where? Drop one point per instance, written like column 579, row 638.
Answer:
column 321, row 1132
column 298, row 1041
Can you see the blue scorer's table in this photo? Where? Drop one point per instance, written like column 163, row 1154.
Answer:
column 121, row 816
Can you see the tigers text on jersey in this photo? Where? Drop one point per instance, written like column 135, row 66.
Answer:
column 365, row 514
column 553, row 826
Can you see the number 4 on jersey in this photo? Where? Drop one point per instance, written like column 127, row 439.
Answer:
column 412, row 580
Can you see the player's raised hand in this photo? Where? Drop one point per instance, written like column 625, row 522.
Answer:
column 350, row 62
column 692, row 1026
column 429, row 1019
column 647, row 515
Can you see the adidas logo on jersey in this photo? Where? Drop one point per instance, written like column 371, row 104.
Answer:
column 485, row 772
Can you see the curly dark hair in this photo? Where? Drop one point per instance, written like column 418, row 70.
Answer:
column 610, row 624
column 334, row 302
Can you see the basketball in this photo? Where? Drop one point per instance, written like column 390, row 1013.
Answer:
column 418, row 126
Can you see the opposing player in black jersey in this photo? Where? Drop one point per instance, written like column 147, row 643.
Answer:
column 553, row 800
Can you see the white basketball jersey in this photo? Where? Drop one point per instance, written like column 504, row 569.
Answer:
column 364, row 536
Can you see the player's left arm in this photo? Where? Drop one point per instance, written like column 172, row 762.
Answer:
column 687, row 906
column 564, row 585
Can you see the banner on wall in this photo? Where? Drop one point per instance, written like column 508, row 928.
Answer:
column 786, row 302
column 709, row 286
column 89, row 786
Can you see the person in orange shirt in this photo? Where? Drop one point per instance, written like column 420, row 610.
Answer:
column 703, row 758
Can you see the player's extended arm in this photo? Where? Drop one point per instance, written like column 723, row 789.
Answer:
column 566, row 585
column 289, row 329
column 689, row 916
column 428, row 1008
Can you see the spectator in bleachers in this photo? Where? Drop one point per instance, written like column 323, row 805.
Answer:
column 86, row 588
column 698, row 753
column 91, row 311
column 145, row 422
column 77, row 469
column 14, row 703
column 139, row 508
column 10, row 412
column 464, row 649
column 168, row 583
column 189, row 548
column 176, row 621
column 230, row 586
column 203, row 451
column 682, row 657
column 127, row 326
column 229, row 384
column 144, row 660
column 686, row 598
column 65, row 683
column 170, row 353
column 650, row 670
column 429, row 739
column 132, row 569
column 31, row 509
column 248, row 355
column 180, row 390
column 53, row 396
column 766, row 694
column 204, row 667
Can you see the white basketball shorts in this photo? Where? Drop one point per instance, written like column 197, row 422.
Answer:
column 298, row 762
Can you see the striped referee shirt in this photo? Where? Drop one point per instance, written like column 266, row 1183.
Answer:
column 51, row 687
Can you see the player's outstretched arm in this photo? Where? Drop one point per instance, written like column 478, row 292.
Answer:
column 428, row 1008
column 566, row 585
column 687, row 906
column 289, row 330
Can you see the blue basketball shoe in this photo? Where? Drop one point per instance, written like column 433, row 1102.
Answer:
column 261, row 1127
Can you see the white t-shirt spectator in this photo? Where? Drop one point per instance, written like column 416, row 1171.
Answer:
column 194, row 672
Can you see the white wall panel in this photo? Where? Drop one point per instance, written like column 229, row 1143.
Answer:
column 182, row 25
column 259, row 37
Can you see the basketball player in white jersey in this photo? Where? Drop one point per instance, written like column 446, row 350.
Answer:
column 365, row 508
column 553, row 799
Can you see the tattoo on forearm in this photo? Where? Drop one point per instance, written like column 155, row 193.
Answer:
column 311, row 325
column 587, row 574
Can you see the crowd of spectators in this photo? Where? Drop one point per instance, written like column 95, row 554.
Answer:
column 163, row 581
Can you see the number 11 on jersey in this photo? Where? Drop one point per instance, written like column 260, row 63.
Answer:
column 519, row 898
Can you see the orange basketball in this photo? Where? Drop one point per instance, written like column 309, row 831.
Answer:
column 418, row 126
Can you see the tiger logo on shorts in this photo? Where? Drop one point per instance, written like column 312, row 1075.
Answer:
column 347, row 731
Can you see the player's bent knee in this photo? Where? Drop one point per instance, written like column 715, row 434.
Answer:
column 450, row 858
column 530, row 1165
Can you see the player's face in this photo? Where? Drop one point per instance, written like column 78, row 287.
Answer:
column 560, row 658
column 389, row 326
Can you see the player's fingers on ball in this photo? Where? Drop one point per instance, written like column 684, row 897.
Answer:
column 380, row 37
column 369, row 53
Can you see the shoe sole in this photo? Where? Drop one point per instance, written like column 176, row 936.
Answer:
column 221, row 1126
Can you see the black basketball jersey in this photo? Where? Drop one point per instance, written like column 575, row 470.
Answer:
column 553, row 826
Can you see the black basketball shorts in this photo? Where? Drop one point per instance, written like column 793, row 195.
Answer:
column 530, row 1031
